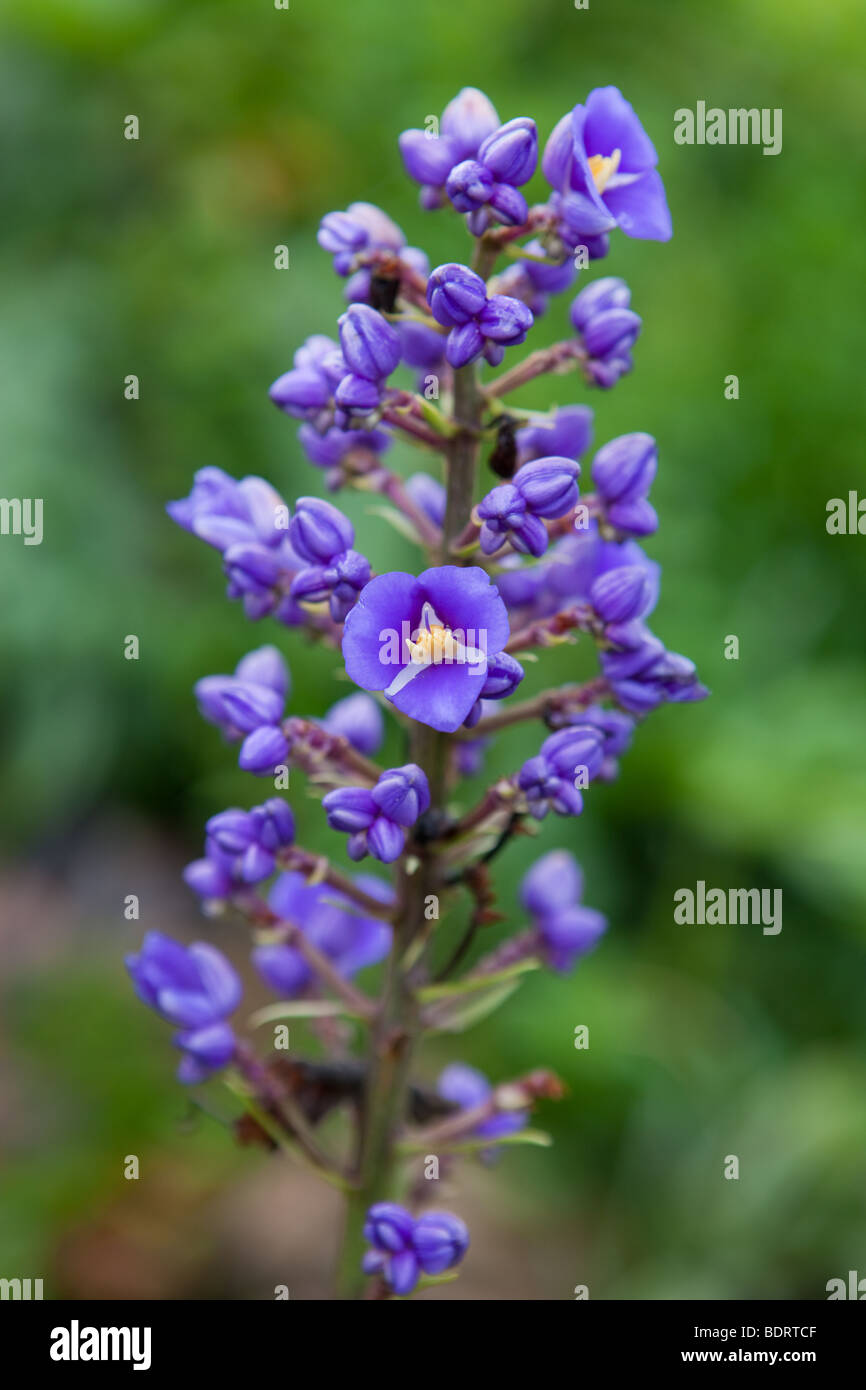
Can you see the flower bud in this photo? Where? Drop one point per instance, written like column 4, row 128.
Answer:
column 625, row 467
column 297, row 392
column 553, row 884
column 508, row 204
column 621, row 594
column 505, row 320
column 608, row 293
column 402, row 794
column 548, row 486
column 370, row 345
column 319, row 531
column 263, row 750
column 504, row 674
column 612, row 332
column 466, row 121
column 511, row 152
column 455, row 294
column 358, row 719
column 469, row 185
column 265, row 666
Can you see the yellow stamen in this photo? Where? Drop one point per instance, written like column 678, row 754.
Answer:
column 432, row 644
column 603, row 167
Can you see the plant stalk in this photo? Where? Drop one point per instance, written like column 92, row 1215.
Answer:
column 395, row 1033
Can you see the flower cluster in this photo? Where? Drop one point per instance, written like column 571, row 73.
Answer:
column 404, row 1248
column 551, row 893
column 249, row 706
column 478, row 323
column 241, row 848
column 436, row 653
column 325, row 917
column 195, row 988
column 376, row 820
column 607, row 329
column 545, row 488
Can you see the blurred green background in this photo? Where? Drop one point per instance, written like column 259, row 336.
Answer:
column 156, row 258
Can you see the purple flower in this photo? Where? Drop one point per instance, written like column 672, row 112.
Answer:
column 511, row 152
column 487, row 184
column 566, row 762
column 642, row 674
column 456, row 295
column 250, row 709
column 504, row 674
column 440, row 1241
column 361, row 228
column 458, row 300
column 195, row 988
column 551, row 893
column 546, row 487
column 306, row 392
column 331, row 922
column 371, row 347
column 428, row 494
column 376, row 820
column 602, row 162
column 468, row 1088
column 224, row 512
column 623, row 471
column 328, row 449
column 622, row 594
column 339, row 582
column 265, row 666
column 616, row 730
column 358, row 719
column 425, row 641
column 422, row 347
column 318, row 531
column 404, row 1248
column 576, row 562
column 569, row 436
column 608, row 329
column 429, row 158
column 246, row 842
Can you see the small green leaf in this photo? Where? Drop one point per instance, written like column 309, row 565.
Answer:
column 297, row 1008
column 537, row 1138
column 396, row 519
column 471, row 984
column 461, row 1015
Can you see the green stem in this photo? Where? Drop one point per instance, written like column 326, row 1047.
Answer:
column 395, row 1034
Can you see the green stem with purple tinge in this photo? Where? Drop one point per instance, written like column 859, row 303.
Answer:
column 395, row 1032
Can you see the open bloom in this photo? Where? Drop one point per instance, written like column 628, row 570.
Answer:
column 603, row 163
column 425, row 641
column 195, row 988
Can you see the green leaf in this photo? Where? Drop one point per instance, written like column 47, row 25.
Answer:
column 476, row 1007
column 538, row 1138
column 298, row 1008
column 471, row 984
column 396, row 519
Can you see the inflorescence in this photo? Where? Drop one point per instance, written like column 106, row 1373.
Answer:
column 510, row 567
